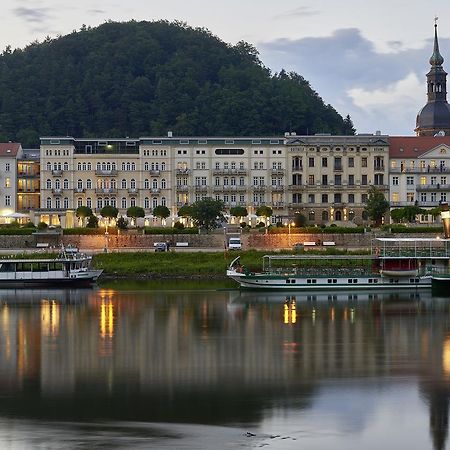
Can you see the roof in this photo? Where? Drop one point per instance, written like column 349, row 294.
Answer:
column 9, row 148
column 414, row 146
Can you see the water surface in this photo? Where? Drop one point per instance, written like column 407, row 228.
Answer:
column 197, row 367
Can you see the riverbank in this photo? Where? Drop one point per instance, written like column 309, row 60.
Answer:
column 192, row 265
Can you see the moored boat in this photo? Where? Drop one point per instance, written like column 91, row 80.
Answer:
column 394, row 263
column 69, row 268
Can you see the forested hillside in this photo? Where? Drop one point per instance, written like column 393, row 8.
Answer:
column 145, row 78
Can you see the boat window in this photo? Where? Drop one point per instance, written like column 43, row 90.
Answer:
column 330, row 280
column 334, row 280
column 350, row 280
column 375, row 280
column 355, row 280
column 314, row 281
column 308, row 281
column 417, row 280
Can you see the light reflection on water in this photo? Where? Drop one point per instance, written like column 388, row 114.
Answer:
column 156, row 368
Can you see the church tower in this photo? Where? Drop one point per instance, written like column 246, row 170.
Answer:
column 434, row 117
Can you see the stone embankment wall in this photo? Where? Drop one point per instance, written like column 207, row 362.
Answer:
column 205, row 241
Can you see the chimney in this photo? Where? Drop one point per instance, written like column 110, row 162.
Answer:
column 169, row 134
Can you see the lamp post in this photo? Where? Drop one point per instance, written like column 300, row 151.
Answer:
column 289, row 232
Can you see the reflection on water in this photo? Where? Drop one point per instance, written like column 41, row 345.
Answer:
column 316, row 369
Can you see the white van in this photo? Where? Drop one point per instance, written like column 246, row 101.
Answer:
column 234, row 243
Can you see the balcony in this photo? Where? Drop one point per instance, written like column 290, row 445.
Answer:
column 183, row 171
column 378, row 167
column 182, row 188
column 277, row 205
column 279, row 187
column 297, row 168
column 419, row 170
column 296, row 187
column 277, row 171
column 28, row 174
column 155, row 173
column 133, row 190
column 106, row 191
column 106, row 173
column 155, row 191
column 433, row 187
column 199, row 188
column 338, row 168
column 260, row 187
column 57, row 173
column 79, row 190
column 57, row 191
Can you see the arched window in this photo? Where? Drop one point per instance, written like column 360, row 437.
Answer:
column 57, row 203
column 311, row 216
column 123, row 203
column 106, row 201
column 351, row 215
column 48, row 184
column 66, row 166
column 66, row 203
column 98, row 166
column 123, row 184
column 163, row 166
column 132, row 201
column 100, row 203
column 133, row 166
column 104, row 166
column 154, row 183
column 49, row 166
column 325, row 216
column 133, row 183
column 57, row 184
column 163, row 201
column 146, row 166
column 128, row 166
column 338, row 215
column 113, row 201
column 146, row 184
column 66, row 184
column 146, row 203
column 89, row 202
column 108, row 166
column 88, row 183
column 84, row 166
column 113, row 183
column 124, row 167
column 89, row 166
column 48, row 203
column 163, row 183
column 154, row 202
column 79, row 166
column 79, row 202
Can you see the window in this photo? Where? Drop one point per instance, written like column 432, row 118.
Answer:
column 66, row 184
column 7, row 167
column 48, row 203
column 66, row 203
column 132, row 201
column 79, row 202
column 324, row 180
column 364, row 162
column 433, row 180
column 364, row 180
column 89, row 202
column 123, row 203
column 325, row 216
column 123, row 184
column 433, row 197
column 410, row 196
column 311, row 198
column 48, row 184
column 337, row 198
column 163, row 183
column 443, row 196
column 410, row 181
column 423, row 196
column 324, row 162
column 310, row 162
column 351, row 161
column 324, row 198
column 146, row 184
column 7, row 200
column 351, row 198
column 311, row 180
column 7, row 182
column 395, row 197
column 395, row 181
column 379, row 179
column 88, row 184
column 364, row 198
column 338, row 180
column 351, row 180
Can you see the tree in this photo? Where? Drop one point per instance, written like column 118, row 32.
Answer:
column 299, row 220
column 163, row 212
column 83, row 212
column 264, row 211
column 109, row 212
column 397, row 215
column 122, row 223
column 134, row 212
column 349, row 129
column 92, row 222
column 207, row 213
column 239, row 212
column 410, row 213
column 376, row 205
column 185, row 211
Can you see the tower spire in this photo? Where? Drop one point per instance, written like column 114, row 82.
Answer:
column 436, row 58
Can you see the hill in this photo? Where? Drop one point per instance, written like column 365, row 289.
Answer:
column 145, row 78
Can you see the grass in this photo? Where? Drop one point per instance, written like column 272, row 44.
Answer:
column 195, row 264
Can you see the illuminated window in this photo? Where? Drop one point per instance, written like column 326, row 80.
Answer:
column 7, row 182
column 395, row 197
column 423, row 180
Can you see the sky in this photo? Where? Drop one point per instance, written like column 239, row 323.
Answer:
column 367, row 59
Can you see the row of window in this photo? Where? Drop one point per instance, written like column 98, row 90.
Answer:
column 106, row 184
column 105, row 166
column 337, row 180
column 326, row 198
column 297, row 162
column 431, row 197
column 410, row 180
column 148, row 203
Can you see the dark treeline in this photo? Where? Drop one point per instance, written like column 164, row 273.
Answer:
column 145, row 78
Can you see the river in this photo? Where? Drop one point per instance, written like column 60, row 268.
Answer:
column 202, row 366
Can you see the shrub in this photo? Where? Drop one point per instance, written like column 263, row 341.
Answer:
column 178, row 226
column 42, row 226
column 29, row 225
column 156, row 230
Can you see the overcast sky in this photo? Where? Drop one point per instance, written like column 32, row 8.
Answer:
column 367, row 59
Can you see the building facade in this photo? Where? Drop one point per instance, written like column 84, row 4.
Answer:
column 325, row 178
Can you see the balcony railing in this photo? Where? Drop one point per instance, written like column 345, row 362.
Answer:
column 106, row 173
column 133, row 190
column 433, row 187
column 259, row 187
column 378, row 167
column 278, row 187
column 277, row 171
column 106, row 191
column 182, row 188
column 200, row 188
column 278, row 204
column 183, row 171
column 57, row 173
column 419, row 170
column 57, row 191
column 155, row 191
column 297, row 168
column 155, row 173
column 79, row 190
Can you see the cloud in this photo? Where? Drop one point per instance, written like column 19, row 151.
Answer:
column 301, row 11
column 97, row 11
column 33, row 15
column 347, row 71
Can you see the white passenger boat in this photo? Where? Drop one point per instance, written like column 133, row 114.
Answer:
column 69, row 268
column 394, row 263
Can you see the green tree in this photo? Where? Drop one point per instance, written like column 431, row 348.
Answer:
column 264, row 211
column 122, row 223
column 92, row 222
column 376, row 205
column 397, row 215
column 410, row 212
column 239, row 212
column 83, row 212
column 133, row 212
column 185, row 211
column 349, row 129
column 207, row 213
column 163, row 212
column 109, row 212
column 299, row 220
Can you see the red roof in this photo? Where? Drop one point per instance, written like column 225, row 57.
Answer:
column 9, row 148
column 414, row 146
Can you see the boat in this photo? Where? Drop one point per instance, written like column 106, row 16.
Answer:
column 69, row 268
column 393, row 263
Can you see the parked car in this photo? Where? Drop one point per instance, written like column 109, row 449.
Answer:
column 160, row 247
column 234, row 243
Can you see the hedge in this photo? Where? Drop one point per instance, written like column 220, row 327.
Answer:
column 17, row 231
column 155, row 230
column 318, row 230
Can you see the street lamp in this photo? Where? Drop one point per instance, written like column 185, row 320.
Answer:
column 289, row 232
